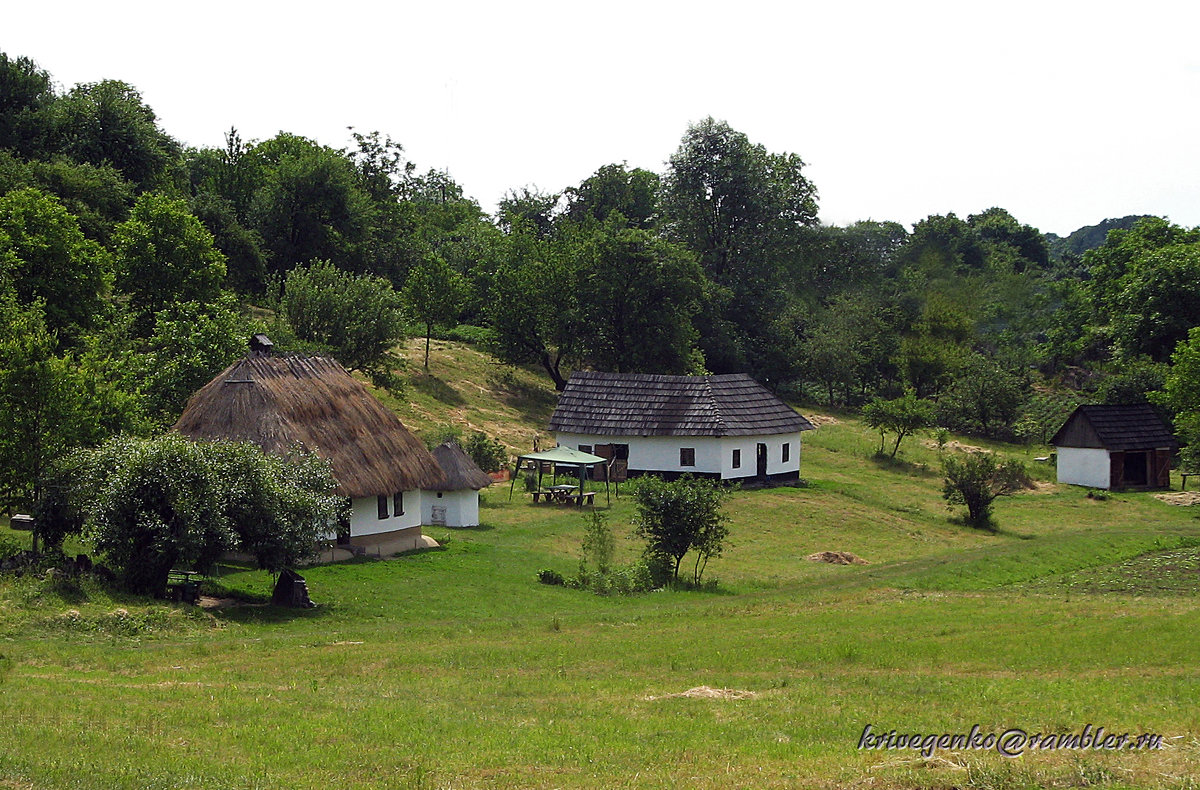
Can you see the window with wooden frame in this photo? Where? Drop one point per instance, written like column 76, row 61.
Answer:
column 787, row 451
column 381, row 504
column 687, row 456
column 398, row 503
column 737, row 459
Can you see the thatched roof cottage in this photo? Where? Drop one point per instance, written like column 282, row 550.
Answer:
column 1115, row 447
column 725, row 426
column 279, row 402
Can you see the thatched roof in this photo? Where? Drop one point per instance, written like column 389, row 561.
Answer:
column 459, row 472
column 641, row 404
column 278, row 402
column 1133, row 427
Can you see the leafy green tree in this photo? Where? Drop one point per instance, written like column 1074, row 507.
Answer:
column 997, row 226
column 1180, row 394
column 976, row 480
column 641, row 295
column 742, row 210
column 434, row 295
column 191, row 342
column 633, row 193
column 52, row 260
column 107, row 123
column 489, row 454
column 25, row 93
column 164, row 255
column 150, row 505
column 44, row 406
column 985, row 398
column 943, row 245
column 1160, row 301
column 680, row 516
column 358, row 317
column 310, row 204
column 534, row 309
column 245, row 261
column 530, row 209
column 98, row 197
column 903, row 416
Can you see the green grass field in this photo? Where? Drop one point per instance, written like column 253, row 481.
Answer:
column 454, row 668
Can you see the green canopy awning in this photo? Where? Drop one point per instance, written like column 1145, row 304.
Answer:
column 565, row 456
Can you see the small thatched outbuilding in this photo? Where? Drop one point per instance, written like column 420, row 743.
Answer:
column 1115, row 447
column 281, row 402
column 454, row 501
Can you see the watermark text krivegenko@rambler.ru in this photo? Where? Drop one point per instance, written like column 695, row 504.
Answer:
column 1012, row 742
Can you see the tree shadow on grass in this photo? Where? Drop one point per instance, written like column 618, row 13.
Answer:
column 434, row 387
column 905, row 467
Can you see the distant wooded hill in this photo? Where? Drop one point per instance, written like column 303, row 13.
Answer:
column 1089, row 237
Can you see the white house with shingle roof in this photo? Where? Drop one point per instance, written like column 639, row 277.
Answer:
column 724, row 426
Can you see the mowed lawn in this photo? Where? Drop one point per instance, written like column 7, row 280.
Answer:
column 454, row 668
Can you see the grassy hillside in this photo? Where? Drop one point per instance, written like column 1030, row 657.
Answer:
column 468, row 390
column 454, row 668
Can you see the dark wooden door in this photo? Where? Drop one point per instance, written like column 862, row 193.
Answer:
column 1116, row 470
column 762, row 461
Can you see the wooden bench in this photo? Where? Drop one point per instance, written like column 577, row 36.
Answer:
column 184, row 586
column 588, row 496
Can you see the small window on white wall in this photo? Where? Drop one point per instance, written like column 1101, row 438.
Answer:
column 787, row 451
column 398, row 503
column 381, row 504
column 737, row 459
column 687, row 456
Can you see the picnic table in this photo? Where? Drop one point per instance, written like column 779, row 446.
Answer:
column 565, row 495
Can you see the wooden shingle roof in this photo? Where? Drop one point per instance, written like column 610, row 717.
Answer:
column 642, row 404
column 1132, row 427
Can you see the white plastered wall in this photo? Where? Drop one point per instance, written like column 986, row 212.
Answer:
column 1084, row 466
column 714, row 454
column 462, row 507
column 365, row 520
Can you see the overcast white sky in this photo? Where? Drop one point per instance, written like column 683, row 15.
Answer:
column 1064, row 113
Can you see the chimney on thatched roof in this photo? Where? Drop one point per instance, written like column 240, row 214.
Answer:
column 261, row 344
column 459, row 471
column 278, row 402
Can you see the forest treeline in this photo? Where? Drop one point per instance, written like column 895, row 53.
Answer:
column 132, row 268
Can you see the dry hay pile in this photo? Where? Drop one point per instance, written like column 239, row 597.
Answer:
column 708, row 692
column 823, row 419
column 1180, row 498
column 838, row 558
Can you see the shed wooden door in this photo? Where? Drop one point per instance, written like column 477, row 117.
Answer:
column 1116, row 469
column 1161, row 474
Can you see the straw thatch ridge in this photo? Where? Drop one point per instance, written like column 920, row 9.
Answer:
column 642, row 404
column 459, row 472
column 278, row 402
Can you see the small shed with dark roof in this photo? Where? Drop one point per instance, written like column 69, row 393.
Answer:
column 726, row 426
column 1115, row 447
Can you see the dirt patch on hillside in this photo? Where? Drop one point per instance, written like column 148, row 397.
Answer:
column 1181, row 498
column 823, row 419
column 708, row 692
column 838, row 558
column 955, row 445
